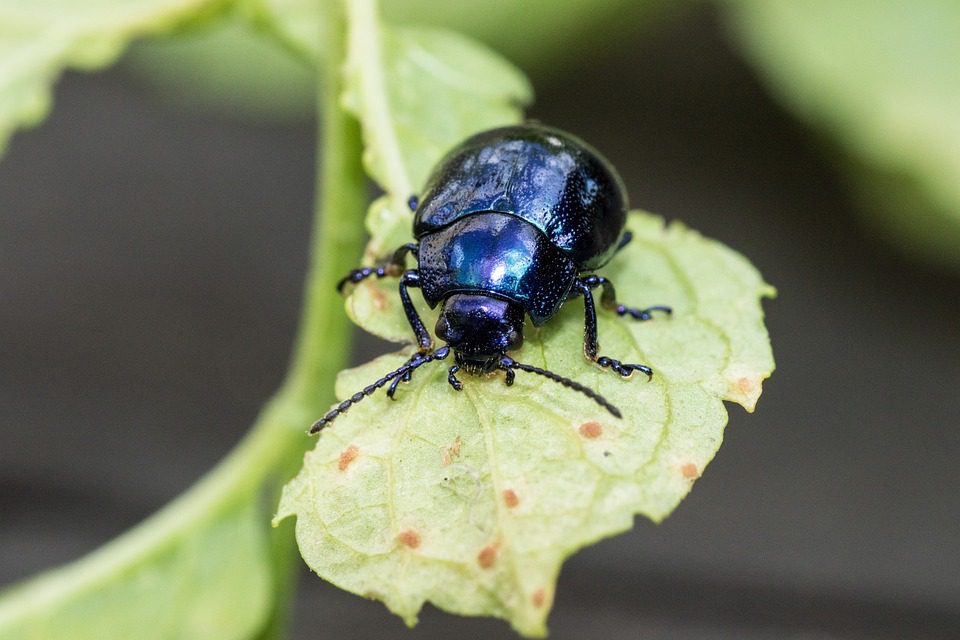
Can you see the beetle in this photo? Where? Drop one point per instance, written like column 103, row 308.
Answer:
column 512, row 223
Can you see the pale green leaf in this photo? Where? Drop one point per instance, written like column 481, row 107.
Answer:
column 410, row 501
column 39, row 39
column 473, row 500
column 882, row 78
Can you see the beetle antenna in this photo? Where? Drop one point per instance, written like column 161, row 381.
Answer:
column 416, row 361
column 509, row 363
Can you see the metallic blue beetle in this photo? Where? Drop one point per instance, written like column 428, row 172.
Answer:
column 509, row 222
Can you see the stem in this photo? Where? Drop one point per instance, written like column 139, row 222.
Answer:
column 272, row 449
column 323, row 343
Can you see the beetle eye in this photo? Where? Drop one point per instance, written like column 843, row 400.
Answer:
column 514, row 339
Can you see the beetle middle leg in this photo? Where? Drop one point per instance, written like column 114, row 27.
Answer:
column 394, row 266
column 590, row 346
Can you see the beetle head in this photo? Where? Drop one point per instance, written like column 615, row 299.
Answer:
column 480, row 329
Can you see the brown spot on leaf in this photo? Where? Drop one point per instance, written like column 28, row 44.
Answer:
column 409, row 538
column 690, row 470
column 349, row 455
column 488, row 555
column 510, row 498
column 378, row 297
column 539, row 597
column 591, row 429
column 450, row 453
column 745, row 385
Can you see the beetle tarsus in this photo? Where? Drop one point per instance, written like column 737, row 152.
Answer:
column 392, row 389
column 452, row 378
column 625, row 370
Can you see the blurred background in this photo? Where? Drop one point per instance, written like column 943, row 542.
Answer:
column 153, row 243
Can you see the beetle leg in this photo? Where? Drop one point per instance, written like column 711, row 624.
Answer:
column 411, row 278
column 608, row 300
column 392, row 389
column 413, row 201
column 452, row 378
column 590, row 346
column 394, row 266
column 625, row 240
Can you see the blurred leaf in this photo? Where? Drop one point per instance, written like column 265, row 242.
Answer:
column 473, row 500
column 228, row 69
column 211, row 579
column 38, row 40
column 537, row 33
column 882, row 78
column 234, row 70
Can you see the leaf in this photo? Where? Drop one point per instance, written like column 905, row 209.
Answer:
column 536, row 33
column 38, row 40
column 473, row 500
column 229, row 70
column 396, row 79
column 881, row 78
column 209, row 580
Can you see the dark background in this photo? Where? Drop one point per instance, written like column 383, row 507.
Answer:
column 151, row 263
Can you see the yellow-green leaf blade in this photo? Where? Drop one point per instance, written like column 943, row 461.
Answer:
column 473, row 500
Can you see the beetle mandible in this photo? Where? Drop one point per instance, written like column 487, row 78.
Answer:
column 511, row 224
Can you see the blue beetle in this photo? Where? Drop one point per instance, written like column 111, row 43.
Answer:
column 509, row 223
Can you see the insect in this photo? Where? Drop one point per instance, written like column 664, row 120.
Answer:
column 511, row 224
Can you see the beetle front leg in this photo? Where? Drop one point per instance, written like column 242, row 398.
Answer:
column 608, row 300
column 392, row 267
column 590, row 346
column 411, row 278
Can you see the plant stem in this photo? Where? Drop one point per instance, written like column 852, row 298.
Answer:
column 271, row 451
column 323, row 342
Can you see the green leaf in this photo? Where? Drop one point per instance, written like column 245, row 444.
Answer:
column 397, row 79
column 220, row 558
column 38, row 40
column 881, row 78
column 473, row 500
